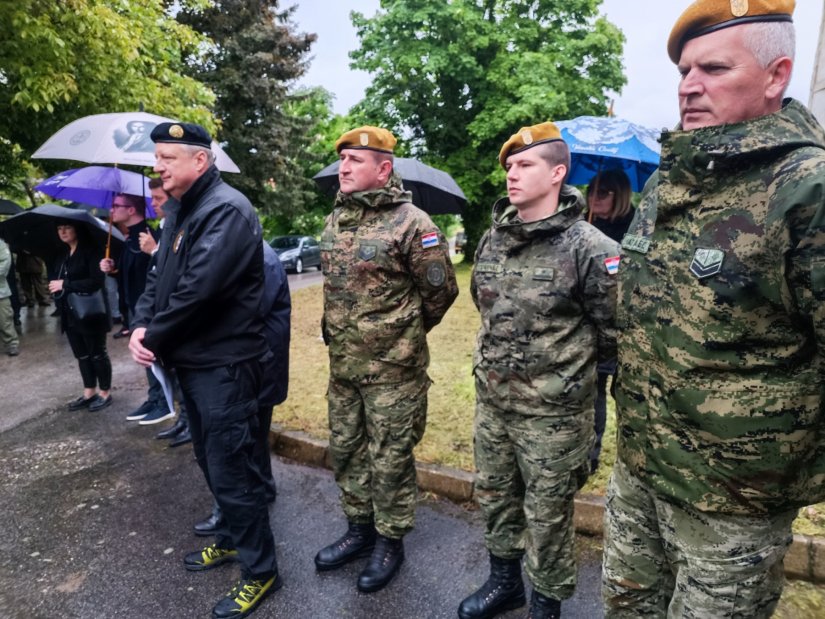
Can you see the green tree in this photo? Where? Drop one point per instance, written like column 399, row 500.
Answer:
column 460, row 77
column 60, row 61
column 254, row 58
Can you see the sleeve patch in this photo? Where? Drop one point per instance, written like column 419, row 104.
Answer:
column 436, row 274
column 612, row 264
column 429, row 240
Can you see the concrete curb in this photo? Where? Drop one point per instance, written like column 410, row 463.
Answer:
column 805, row 559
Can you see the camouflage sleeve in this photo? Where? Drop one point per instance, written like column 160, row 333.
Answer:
column 599, row 264
column 803, row 200
column 473, row 288
column 432, row 272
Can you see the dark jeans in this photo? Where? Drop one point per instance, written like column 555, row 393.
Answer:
column 90, row 351
column 223, row 418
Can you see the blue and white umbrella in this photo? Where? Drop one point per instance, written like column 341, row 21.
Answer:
column 600, row 143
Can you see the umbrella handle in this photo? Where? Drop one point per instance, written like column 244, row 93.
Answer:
column 109, row 240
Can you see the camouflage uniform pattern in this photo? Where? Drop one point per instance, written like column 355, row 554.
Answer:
column 676, row 561
column 386, row 284
column 722, row 330
column 546, row 301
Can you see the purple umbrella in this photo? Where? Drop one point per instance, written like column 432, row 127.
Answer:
column 96, row 186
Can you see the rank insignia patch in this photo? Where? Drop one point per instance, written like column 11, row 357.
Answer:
column 707, row 262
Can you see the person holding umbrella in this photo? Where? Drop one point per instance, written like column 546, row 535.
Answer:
column 77, row 272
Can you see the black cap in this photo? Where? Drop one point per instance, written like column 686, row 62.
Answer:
column 181, row 133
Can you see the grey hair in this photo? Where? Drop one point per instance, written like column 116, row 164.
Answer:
column 194, row 150
column 768, row 41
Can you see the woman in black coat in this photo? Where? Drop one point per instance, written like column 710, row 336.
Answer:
column 78, row 271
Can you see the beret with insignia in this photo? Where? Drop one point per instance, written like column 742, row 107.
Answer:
column 181, row 133
column 367, row 138
column 528, row 137
column 706, row 16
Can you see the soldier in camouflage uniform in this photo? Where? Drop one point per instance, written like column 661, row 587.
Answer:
column 388, row 280
column 722, row 332
column 544, row 282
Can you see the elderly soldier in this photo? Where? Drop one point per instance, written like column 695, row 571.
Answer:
column 544, row 284
column 722, row 304
column 388, row 280
column 200, row 315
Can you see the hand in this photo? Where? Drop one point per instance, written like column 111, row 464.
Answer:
column 142, row 355
column 147, row 243
column 107, row 265
column 55, row 286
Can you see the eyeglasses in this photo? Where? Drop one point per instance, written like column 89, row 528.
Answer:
column 114, row 206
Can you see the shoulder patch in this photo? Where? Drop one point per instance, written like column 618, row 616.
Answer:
column 612, row 264
column 436, row 274
column 429, row 240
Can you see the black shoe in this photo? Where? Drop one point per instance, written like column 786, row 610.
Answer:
column 209, row 557
column 356, row 543
column 245, row 597
column 81, row 402
column 141, row 411
column 122, row 333
column 182, row 438
column 503, row 591
column 543, row 607
column 384, row 562
column 173, row 431
column 210, row 525
column 99, row 402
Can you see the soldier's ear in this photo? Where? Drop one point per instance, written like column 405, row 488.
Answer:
column 558, row 173
column 384, row 170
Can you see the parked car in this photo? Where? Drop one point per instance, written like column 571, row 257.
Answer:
column 297, row 252
column 460, row 241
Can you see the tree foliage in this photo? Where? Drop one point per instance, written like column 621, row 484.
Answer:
column 63, row 60
column 459, row 77
column 254, row 59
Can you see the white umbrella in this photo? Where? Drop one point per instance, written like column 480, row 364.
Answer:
column 121, row 138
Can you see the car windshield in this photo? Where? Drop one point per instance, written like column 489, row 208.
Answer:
column 284, row 242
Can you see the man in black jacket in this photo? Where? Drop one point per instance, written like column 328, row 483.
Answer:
column 200, row 315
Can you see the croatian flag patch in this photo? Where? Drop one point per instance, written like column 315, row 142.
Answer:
column 612, row 264
column 429, row 240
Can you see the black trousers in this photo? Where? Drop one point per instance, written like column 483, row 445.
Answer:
column 223, row 415
column 90, row 351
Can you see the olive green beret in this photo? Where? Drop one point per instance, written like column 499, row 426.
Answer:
column 528, row 137
column 369, row 138
column 706, row 16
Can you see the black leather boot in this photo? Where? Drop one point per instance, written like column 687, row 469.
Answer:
column 386, row 558
column 503, row 591
column 357, row 542
column 543, row 607
column 173, row 431
column 212, row 524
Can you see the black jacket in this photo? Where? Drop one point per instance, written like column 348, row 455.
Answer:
column 275, row 309
column 201, row 307
column 133, row 265
column 81, row 272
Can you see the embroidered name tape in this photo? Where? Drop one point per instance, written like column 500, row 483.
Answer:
column 429, row 240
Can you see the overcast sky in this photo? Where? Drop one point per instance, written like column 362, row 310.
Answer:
column 649, row 98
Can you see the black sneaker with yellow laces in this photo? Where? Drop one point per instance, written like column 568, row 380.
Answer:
column 209, row 557
column 245, row 597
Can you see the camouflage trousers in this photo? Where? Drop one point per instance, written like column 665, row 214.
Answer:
column 529, row 467
column 373, row 430
column 661, row 560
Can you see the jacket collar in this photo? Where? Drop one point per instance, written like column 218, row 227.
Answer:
column 205, row 182
column 569, row 211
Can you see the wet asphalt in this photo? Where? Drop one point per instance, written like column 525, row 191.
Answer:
column 96, row 515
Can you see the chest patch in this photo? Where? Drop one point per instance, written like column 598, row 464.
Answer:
column 488, row 267
column 545, row 274
column 176, row 245
column 367, row 252
column 707, row 262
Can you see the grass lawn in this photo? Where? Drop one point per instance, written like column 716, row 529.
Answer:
column 449, row 436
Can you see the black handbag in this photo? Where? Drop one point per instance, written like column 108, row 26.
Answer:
column 86, row 306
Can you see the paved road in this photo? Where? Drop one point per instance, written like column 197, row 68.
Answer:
column 96, row 516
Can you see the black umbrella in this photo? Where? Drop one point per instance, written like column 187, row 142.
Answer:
column 7, row 207
column 433, row 190
column 35, row 231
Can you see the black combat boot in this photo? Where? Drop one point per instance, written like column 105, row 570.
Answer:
column 503, row 591
column 384, row 562
column 543, row 607
column 357, row 542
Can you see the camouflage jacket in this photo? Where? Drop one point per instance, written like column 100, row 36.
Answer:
column 722, row 318
column 547, row 300
column 388, row 280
